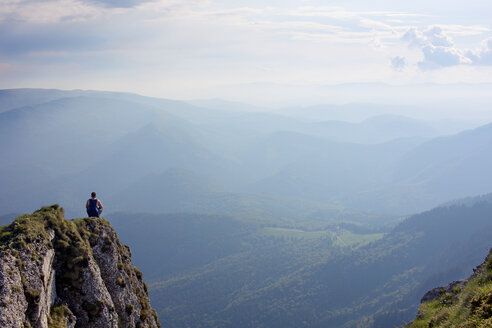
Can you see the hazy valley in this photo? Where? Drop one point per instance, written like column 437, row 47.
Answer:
column 240, row 217
column 128, row 146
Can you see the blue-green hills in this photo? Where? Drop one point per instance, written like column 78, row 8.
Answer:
column 218, row 271
column 242, row 217
column 56, row 145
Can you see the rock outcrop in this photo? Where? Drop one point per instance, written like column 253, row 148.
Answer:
column 439, row 291
column 463, row 303
column 60, row 273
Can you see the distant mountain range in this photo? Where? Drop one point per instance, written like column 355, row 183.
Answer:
column 285, row 219
column 58, row 146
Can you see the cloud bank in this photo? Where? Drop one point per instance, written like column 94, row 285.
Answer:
column 119, row 3
column 207, row 45
column 440, row 51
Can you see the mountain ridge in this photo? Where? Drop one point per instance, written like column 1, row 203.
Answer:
column 71, row 142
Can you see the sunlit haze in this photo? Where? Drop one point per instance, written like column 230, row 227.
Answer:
column 269, row 53
column 274, row 163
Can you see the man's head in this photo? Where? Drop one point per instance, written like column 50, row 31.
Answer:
column 93, row 194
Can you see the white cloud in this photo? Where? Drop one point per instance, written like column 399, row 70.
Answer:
column 463, row 31
column 433, row 35
column 49, row 11
column 482, row 56
column 398, row 63
column 414, row 38
column 210, row 42
column 437, row 37
column 439, row 50
column 442, row 56
column 486, row 53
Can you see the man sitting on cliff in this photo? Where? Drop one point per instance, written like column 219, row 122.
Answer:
column 93, row 206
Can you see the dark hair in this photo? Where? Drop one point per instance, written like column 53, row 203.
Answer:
column 93, row 194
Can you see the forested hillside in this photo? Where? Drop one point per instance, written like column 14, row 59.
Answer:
column 225, row 272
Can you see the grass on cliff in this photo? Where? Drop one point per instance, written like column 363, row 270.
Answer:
column 72, row 242
column 29, row 228
column 468, row 307
column 58, row 317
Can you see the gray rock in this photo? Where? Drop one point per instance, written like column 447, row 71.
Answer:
column 123, row 280
column 71, row 272
column 13, row 303
column 439, row 291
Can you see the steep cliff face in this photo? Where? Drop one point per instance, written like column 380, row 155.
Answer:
column 60, row 273
column 462, row 304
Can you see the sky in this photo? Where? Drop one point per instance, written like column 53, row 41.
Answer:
column 257, row 51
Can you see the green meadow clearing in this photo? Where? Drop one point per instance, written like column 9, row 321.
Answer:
column 342, row 238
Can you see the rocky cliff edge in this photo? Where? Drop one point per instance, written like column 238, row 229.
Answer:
column 60, row 273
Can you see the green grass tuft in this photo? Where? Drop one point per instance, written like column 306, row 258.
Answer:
column 138, row 273
column 121, row 282
column 58, row 316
